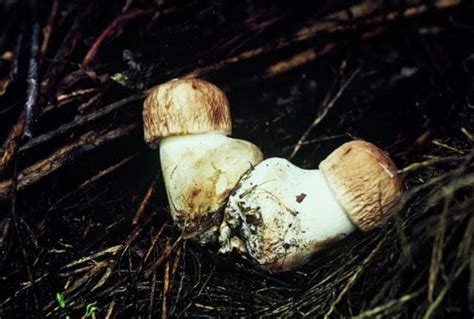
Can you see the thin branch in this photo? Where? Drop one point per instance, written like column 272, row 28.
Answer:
column 326, row 106
column 166, row 284
column 121, row 19
column 382, row 309
column 48, row 30
column 68, row 45
column 166, row 252
column 339, row 21
column 439, row 298
column 143, row 203
column 437, row 250
column 63, row 156
column 432, row 161
column 93, row 179
column 80, row 121
column 32, row 80
column 297, row 60
column 352, row 280
column 11, row 145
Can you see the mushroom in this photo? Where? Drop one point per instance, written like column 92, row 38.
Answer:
column 190, row 119
column 280, row 215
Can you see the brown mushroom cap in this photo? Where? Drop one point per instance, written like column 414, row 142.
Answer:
column 364, row 181
column 184, row 107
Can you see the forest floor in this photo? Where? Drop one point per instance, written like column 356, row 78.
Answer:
column 84, row 223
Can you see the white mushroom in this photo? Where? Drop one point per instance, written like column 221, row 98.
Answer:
column 280, row 214
column 201, row 165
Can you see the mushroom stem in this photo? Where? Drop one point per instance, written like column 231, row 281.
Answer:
column 283, row 214
column 199, row 172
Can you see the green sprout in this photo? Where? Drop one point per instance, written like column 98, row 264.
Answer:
column 91, row 309
column 61, row 302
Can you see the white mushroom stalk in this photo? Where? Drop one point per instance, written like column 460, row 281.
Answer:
column 201, row 165
column 280, row 215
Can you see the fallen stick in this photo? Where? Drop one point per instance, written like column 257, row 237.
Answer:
column 80, row 121
column 32, row 80
column 61, row 157
column 339, row 21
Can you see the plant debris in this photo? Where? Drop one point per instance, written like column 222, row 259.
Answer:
column 84, row 223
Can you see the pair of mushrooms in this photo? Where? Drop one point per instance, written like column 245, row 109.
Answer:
column 220, row 190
